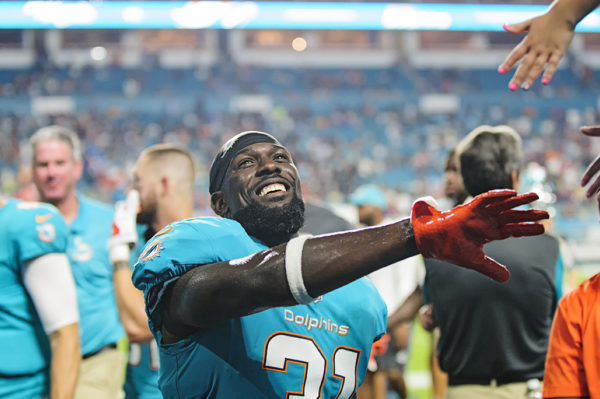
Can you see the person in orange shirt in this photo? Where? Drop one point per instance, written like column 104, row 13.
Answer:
column 572, row 368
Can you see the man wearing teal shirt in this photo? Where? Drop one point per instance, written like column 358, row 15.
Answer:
column 57, row 166
column 39, row 335
column 163, row 184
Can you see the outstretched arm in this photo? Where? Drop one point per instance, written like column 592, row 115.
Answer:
column 216, row 292
column 548, row 37
column 209, row 294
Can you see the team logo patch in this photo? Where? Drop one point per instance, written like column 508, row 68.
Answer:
column 46, row 232
column 82, row 251
column 151, row 251
column 43, row 218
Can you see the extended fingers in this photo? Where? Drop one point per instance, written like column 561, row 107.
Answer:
column 591, row 130
column 520, row 49
column 593, row 188
column 594, row 167
column 587, row 176
column 520, row 216
column 515, row 55
column 551, row 67
column 530, row 63
column 523, row 229
column 531, row 71
column 493, row 196
column 517, row 28
column 591, row 170
column 491, row 268
column 513, row 202
column 535, row 70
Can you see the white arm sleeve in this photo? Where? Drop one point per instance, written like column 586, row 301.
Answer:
column 49, row 282
column 293, row 269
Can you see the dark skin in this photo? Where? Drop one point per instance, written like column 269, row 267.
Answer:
column 593, row 168
column 265, row 174
column 203, row 297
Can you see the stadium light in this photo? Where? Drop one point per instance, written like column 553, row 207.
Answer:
column 98, row 53
column 299, row 44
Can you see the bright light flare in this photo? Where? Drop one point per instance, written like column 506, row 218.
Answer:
column 98, row 53
column 299, row 44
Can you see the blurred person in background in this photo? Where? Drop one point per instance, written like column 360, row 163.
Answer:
column 547, row 39
column 39, row 332
column 319, row 219
column 161, row 193
column 394, row 283
column 572, row 367
column 57, row 166
column 493, row 338
column 456, row 193
column 454, row 187
column 245, row 313
column 418, row 301
column 26, row 189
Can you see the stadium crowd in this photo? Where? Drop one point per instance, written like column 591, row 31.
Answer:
column 245, row 304
column 322, row 117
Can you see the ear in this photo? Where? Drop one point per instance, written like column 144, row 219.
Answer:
column 78, row 170
column 515, row 180
column 218, row 204
column 165, row 185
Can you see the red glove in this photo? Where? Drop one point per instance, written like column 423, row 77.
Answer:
column 458, row 235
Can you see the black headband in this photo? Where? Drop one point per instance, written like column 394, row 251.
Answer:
column 230, row 149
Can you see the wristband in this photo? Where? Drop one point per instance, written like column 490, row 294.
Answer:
column 293, row 269
column 119, row 253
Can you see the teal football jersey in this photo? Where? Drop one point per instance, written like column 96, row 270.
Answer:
column 319, row 350
column 29, row 230
column 87, row 248
column 141, row 380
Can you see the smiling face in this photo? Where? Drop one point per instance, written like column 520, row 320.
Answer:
column 262, row 192
column 55, row 171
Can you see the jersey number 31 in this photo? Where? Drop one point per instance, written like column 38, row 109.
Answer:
column 283, row 347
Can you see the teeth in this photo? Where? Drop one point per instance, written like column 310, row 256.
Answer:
column 272, row 188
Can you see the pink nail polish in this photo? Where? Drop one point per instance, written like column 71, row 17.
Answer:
column 545, row 81
column 505, row 26
column 501, row 70
column 512, row 86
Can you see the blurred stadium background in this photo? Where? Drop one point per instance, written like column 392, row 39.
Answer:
column 360, row 92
